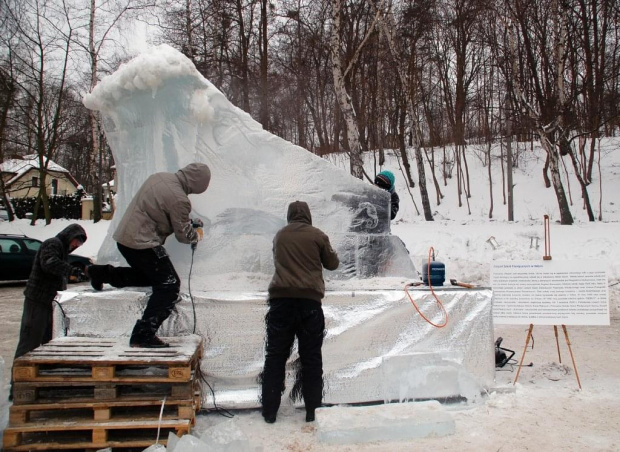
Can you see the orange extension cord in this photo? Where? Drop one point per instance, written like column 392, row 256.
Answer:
column 430, row 251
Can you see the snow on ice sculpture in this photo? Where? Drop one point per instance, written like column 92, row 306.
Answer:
column 160, row 114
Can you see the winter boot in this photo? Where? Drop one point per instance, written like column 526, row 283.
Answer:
column 95, row 274
column 143, row 335
column 147, row 342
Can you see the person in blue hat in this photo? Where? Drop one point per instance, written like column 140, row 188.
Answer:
column 385, row 180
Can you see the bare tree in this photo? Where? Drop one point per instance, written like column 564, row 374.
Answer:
column 543, row 51
column 344, row 99
column 42, row 38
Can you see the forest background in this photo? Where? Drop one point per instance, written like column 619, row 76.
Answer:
column 423, row 77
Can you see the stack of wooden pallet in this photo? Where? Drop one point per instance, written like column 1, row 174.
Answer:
column 92, row 393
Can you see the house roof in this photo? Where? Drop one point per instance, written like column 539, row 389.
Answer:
column 19, row 167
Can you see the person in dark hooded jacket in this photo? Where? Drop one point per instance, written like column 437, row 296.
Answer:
column 161, row 207
column 49, row 274
column 300, row 251
column 386, row 181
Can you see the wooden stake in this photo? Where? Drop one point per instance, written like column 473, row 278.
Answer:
column 527, row 341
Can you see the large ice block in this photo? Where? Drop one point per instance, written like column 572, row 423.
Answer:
column 390, row 422
column 160, row 114
column 377, row 346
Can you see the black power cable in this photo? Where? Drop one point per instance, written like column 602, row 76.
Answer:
column 221, row 411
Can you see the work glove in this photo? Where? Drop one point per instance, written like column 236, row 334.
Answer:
column 197, row 223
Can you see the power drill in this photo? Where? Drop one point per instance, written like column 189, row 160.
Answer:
column 196, row 224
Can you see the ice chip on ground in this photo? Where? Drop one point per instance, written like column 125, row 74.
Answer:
column 153, row 448
column 171, row 116
column 189, row 443
column 226, row 437
column 173, row 440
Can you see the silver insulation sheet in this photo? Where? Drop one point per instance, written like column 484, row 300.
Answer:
column 377, row 346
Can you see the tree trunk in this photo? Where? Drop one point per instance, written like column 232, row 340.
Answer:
column 426, row 205
column 566, row 217
column 344, row 100
column 584, row 187
column 264, row 66
column 94, row 124
column 490, row 181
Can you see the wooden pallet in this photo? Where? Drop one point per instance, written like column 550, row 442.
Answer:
column 56, row 435
column 80, row 359
column 61, row 392
column 21, row 415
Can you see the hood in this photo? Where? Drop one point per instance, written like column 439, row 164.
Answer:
column 194, row 178
column 299, row 212
column 71, row 232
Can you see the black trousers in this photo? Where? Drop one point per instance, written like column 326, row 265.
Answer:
column 35, row 329
column 289, row 318
column 148, row 267
column 36, row 326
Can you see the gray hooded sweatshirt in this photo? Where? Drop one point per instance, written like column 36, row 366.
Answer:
column 161, row 207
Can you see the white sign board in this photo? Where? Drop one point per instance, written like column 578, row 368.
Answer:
column 550, row 293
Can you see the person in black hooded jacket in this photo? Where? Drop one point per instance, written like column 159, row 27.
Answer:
column 49, row 274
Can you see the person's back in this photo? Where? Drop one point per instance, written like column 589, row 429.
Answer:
column 300, row 251
column 161, row 207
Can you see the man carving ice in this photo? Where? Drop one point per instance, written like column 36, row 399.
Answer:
column 160, row 208
column 300, row 251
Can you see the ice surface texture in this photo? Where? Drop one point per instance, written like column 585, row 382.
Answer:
column 160, row 114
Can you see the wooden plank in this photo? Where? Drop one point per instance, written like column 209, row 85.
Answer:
column 53, row 362
column 183, row 349
column 50, row 436
column 81, row 392
column 24, row 415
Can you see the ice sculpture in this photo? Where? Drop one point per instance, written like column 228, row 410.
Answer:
column 160, row 114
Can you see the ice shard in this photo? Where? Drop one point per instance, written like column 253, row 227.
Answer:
column 159, row 114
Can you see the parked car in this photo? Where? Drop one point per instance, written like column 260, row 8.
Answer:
column 17, row 255
column 4, row 215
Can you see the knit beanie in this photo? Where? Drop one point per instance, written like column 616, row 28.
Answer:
column 385, row 180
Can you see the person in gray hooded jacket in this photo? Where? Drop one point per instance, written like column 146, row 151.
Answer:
column 161, row 207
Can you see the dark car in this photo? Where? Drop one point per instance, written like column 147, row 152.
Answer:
column 17, row 255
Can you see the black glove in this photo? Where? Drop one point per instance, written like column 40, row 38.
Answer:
column 77, row 275
column 197, row 223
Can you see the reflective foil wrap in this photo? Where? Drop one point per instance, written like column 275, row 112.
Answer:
column 377, row 346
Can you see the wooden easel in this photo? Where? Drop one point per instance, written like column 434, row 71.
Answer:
column 547, row 257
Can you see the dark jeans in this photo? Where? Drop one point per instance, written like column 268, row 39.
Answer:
column 148, row 267
column 289, row 318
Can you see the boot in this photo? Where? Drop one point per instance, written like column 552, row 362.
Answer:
column 94, row 273
column 310, row 416
column 147, row 342
column 143, row 335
